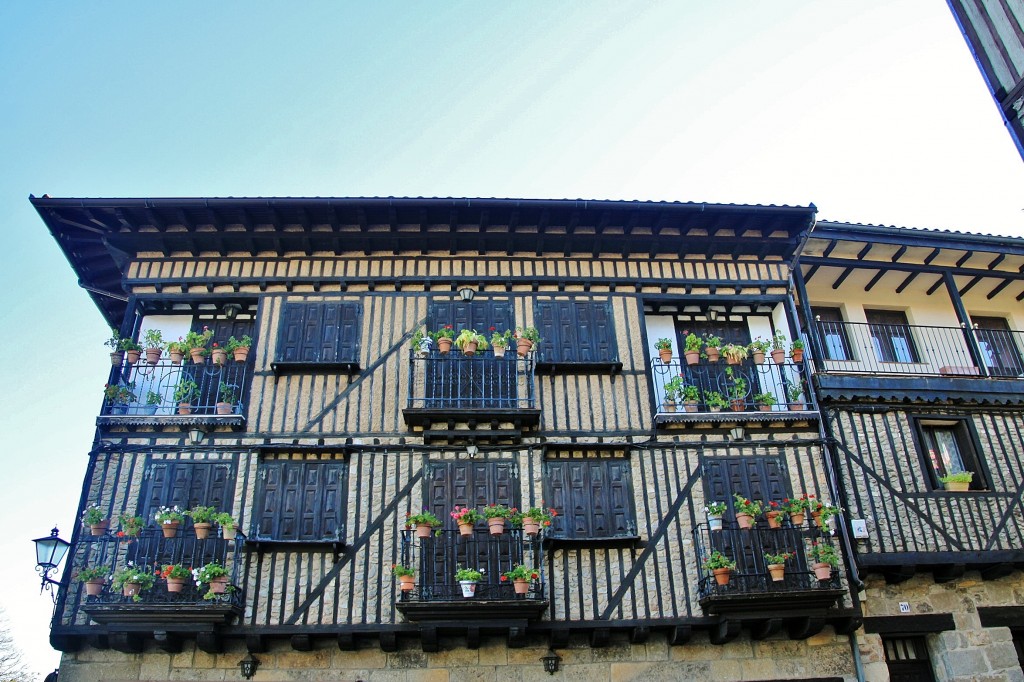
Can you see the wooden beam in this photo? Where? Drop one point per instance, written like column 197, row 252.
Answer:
column 995, row 292
column 903, row 285
column 899, row 253
column 970, row 285
column 932, row 256
column 874, row 280
column 724, row 632
column 805, row 627
column 762, row 629
column 963, row 259
column 842, row 278
column 864, row 252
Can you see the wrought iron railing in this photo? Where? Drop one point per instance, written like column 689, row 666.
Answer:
column 857, row 347
column 437, row 558
column 151, row 550
column 737, row 384
column 163, row 379
column 455, row 381
column 747, row 548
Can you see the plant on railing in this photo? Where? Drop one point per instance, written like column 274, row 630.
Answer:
column 196, row 343
column 746, row 510
column 120, row 394
column 820, row 511
column 795, row 391
column 227, row 523
column 176, row 575
column 239, row 348
column 795, row 508
column 153, row 399
column 530, row 520
column 131, row 525
column 796, row 350
column 715, row 401
column 216, row 576
column 778, row 340
column 526, row 338
column 521, row 577
column 959, row 481
column 93, row 515
column 132, row 580
column 714, row 512
column 765, row 400
column 497, row 511
column 777, row 564
column 186, row 391
column 469, row 341
column 201, row 514
column 469, row 574
column 94, row 573
column 424, row 521
column 664, row 348
column 465, row 518
column 734, row 354
column 672, row 388
column 115, row 340
column 712, row 342
column 776, row 514
column 153, row 340
column 823, row 558
column 500, row 339
column 759, row 345
column 228, row 394
column 690, row 393
column 169, row 518
column 406, row 576
column 177, row 350
column 720, row 566
column 422, row 342
column 737, row 390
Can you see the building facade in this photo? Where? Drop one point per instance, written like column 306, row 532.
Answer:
column 338, row 428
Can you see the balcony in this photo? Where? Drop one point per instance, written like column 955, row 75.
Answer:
column 157, row 609
column 494, row 397
column 901, row 361
column 737, row 385
column 157, row 383
column 751, row 589
column 437, row 595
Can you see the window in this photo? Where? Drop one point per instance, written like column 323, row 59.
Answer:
column 576, row 332
column 907, row 659
column 998, row 346
column 592, row 493
column 949, row 446
column 321, row 333
column 300, row 500
column 891, row 337
column 833, row 333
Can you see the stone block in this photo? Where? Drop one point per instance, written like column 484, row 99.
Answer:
column 427, row 675
column 155, row 667
column 667, row 671
column 492, row 654
column 826, row 636
column 613, row 653
column 302, row 660
column 876, row 672
column 387, row 676
column 201, row 659
column 460, row 657
column 529, row 655
column 1001, row 656
column 360, row 658
column 482, row 673
column 407, row 659
column 966, row 663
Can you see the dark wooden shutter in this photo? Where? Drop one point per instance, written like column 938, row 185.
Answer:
column 469, row 484
column 300, row 501
column 575, row 332
column 483, row 382
column 594, row 499
column 319, row 332
column 756, row 478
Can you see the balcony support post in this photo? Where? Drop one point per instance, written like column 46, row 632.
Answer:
column 810, row 329
column 965, row 323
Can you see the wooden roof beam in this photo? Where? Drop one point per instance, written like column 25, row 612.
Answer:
column 811, row 272
column 996, row 261
column 935, row 287
column 864, row 252
column 842, row 278
column 829, row 249
column 932, row 256
column 970, row 285
column 899, row 253
column 995, row 292
column 963, row 259
column 906, row 282
column 874, row 280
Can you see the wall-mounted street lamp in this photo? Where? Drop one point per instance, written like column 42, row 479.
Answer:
column 50, row 551
column 738, row 432
column 196, row 434
column 248, row 666
column 466, row 294
column 231, row 310
column 551, row 661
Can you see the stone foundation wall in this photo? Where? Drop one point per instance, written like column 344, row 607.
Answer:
column 824, row 655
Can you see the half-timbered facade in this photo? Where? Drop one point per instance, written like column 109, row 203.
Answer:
column 337, row 428
column 918, row 340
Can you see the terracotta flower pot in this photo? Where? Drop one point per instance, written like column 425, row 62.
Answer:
column 666, row 355
column 241, row 354
column 184, row 408
column 817, row 519
column 777, row 571
column 499, row 351
column 225, row 408
column 722, row 575
column 737, row 405
column 496, row 526
column 779, row 356
column 131, row 589
column 229, row 532
column 530, row 526
column 406, row 583
column 202, row 530
column 797, row 519
column 822, row 571
column 733, row 359
column 93, row 588
column 714, row 354
column 690, row 405
column 100, row 528
column 444, row 344
column 668, row 406
column 153, row 355
column 423, row 530
column 744, row 521
column 692, row 357
column 133, row 356
column 521, row 586
column 758, row 356
column 798, row 355
column 774, row 519
column 219, row 356
column 219, row 585
column 176, row 356
column 469, row 348
column 116, row 358
column 197, row 356
column 797, row 407
column 523, row 346
column 175, row 584
column 170, row 530
column 465, row 529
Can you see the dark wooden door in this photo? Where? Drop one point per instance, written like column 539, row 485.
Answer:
column 907, row 659
column 998, row 346
column 712, row 376
column 210, row 377
column 891, row 336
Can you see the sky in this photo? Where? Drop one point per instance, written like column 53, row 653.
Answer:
column 872, row 110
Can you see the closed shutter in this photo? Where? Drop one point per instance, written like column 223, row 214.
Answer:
column 300, row 501
column 594, row 499
column 575, row 332
column 319, row 332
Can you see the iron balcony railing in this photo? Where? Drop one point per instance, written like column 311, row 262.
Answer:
column 456, row 381
column 162, row 381
column 151, row 550
column 862, row 348
column 747, row 548
column 437, row 558
column 736, row 384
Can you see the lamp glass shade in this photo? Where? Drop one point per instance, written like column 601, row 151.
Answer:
column 196, row 435
column 51, row 549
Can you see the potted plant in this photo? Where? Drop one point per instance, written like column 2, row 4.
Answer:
column 116, row 349
column 672, row 389
column 95, row 519
column 227, row 523
column 185, row 392
column 176, row 350
column 796, row 350
column 824, row 559
column 521, row 577
column 119, row 396
column 713, row 348
column 228, row 394
column 94, row 578
column 218, row 354
column 153, row 340
column 500, row 341
column 737, row 391
column 132, row 580
column 425, row 523
column 445, row 337
column 496, row 515
column 169, row 518
column 196, row 344
column 691, row 397
column 692, row 349
column 465, row 518
column 715, row 401
column 469, row 341
column 777, row 564
column 795, row 509
column 758, row 347
column 778, row 347
column 734, row 354
column 664, row 347
column 765, row 401
column 795, row 393
column 746, row 510
column 531, row 520
column 714, row 513
column 132, row 350
column 822, row 512
column 468, row 578
column 720, row 566
column 406, row 577
column 176, row 576
column 202, row 520
column 957, row 482
column 526, row 339
column 213, row 574
column 153, row 400
column 131, row 525
column 775, row 514
column 239, row 348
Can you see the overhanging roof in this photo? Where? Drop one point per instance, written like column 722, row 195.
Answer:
column 100, row 236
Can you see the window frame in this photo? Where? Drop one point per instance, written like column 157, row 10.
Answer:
column 346, row 354
column 563, row 457
column 967, row 442
column 844, row 337
column 550, row 357
column 886, row 344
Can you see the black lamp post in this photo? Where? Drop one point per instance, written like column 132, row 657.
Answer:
column 50, row 551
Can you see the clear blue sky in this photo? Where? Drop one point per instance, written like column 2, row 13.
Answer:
column 873, row 110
